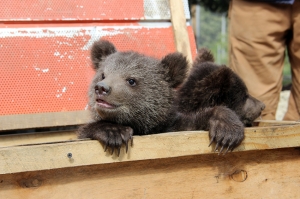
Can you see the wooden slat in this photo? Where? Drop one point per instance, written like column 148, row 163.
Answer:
column 36, row 138
column 53, row 156
column 265, row 174
column 38, row 120
column 181, row 37
column 62, row 136
column 268, row 123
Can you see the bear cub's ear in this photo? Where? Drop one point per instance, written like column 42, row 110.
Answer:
column 100, row 50
column 204, row 55
column 177, row 66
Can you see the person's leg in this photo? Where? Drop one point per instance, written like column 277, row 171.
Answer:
column 294, row 55
column 257, row 39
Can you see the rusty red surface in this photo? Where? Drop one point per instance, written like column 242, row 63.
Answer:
column 74, row 10
column 46, row 68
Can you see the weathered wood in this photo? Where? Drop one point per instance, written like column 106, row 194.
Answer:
column 39, row 120
column 36, row 138
column 181, row 37
column 61, row 136
column 268, row 123
column 55, row 155
column 252, row 174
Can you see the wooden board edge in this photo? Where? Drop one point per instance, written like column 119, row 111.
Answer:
column 269, row 123
column 181, row 37
column 36, row 138
column 267, row 174
column 67, row 135
column 166, row 145
column 40, row 120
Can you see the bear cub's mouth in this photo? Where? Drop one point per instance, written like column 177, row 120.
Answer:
column 102, row 103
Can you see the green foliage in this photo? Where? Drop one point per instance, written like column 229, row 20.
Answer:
column 211, row 35
column 216, row 6
column 286, row 71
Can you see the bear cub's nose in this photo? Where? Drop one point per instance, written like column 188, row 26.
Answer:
column 102, row 88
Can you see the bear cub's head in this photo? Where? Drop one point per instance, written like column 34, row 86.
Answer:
column 133, row 89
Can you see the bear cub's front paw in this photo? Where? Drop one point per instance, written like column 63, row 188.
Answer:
column 113, row 136
column 227, row 131
column 109, row 134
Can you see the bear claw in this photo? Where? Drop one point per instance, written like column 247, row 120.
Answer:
column 111, row 135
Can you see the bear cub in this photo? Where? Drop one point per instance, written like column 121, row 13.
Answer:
column 210, row 85
column 134, row 94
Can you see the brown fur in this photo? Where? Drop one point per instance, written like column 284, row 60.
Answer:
column 212, row 85
column 134, row 94
column 204, row 55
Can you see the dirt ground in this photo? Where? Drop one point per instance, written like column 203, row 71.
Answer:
column 282, row 105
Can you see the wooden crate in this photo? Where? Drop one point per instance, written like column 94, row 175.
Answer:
column 170, row 165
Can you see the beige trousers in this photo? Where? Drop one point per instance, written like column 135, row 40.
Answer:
column 259, row 33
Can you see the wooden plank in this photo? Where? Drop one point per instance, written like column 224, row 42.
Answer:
column 61, row 136
column 181, row 37
column 268, row 123
column 38, row 120
column 36, row 138
column 55, row 155
column 247, row 175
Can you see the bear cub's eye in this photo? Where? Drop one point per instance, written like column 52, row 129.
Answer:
column 103, row 77
column 131, row 82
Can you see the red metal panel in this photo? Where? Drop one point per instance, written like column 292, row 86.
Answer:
column 40, row 10
column 47, row 68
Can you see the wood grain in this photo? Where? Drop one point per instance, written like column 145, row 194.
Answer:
column 39, row 120
column 36, row 138
column 166, row 145
column 269, row 123
column 270, row 174
column 181, row 37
